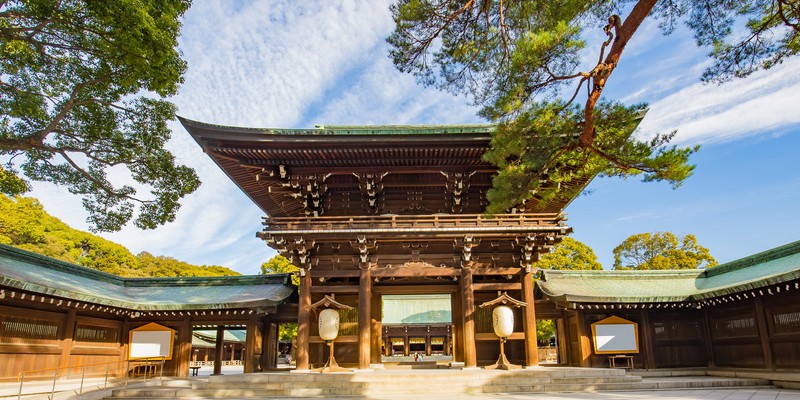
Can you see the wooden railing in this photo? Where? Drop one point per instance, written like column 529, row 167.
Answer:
column 412, row 221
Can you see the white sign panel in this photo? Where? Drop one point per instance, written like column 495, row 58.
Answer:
column 615, row 338
column 150, row 344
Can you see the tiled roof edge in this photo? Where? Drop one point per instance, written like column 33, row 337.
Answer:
column 758, row 258
column 351, row 130
column 52, row 263
column 75, row 269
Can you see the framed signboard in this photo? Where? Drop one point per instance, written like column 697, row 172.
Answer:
column 151, row 341
column 615, row 335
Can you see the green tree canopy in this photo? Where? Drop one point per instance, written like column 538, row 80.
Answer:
column 25, row 224
column 281, row 265
column 661, row 250
column 518, row 61
column 570, row 254
column 71, row 110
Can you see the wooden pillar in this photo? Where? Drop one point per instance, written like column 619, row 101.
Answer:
column 218, row 350
column 253, row 344
column 269, row 356
column 428, row 345
column 364, row 317
column 66, row 338
column 458, row 328
column 584, row 341
column 184, row 350
column 303, row 321
column 648, row 343
column 406, row 345
column 375, row 333
column 709, row 338
column 468, row 312
column 529, row 320
column 763, row 334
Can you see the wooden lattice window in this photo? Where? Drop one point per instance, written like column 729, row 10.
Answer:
column 787, row 322
column 348, row 322
column 96, row 334
column 735, row 326
column 22, row 329
column 676, row 330
column 483, row 320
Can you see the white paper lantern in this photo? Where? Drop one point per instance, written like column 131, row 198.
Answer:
column 503, row 321
column 328, row 324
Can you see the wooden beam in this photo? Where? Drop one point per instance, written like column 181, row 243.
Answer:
column 415, row 272
column 335, row 289
column 483, row 337
column 416, row 289
column 347, row 273
column 496, row 271
column 495, row 286
column 339, row 339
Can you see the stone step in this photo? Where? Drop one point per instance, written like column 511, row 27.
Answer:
column 431, row 382
column 705, row 382
column 668, row 372
column 593, row 380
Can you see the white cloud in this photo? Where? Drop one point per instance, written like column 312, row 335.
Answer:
column 764, row 102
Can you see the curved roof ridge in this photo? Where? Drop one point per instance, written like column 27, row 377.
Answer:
column 31, row 272
column 758, row 258
column 323, row 129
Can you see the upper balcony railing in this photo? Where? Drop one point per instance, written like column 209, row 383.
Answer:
column 393, row 221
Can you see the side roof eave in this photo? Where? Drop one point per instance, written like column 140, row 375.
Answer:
column 26, row 271
column 762, row 270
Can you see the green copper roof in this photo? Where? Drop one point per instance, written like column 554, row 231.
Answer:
column 771, row 267
column 322, row 129
column 31, row 272
column 230, row 335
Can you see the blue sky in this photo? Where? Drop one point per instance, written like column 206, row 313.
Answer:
column 294, row 64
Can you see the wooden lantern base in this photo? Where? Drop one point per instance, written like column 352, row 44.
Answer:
column 502, row 361
column 331, row 365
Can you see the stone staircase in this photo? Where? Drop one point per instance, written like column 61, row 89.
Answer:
column 428, row 382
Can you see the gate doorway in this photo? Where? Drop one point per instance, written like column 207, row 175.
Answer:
column 416, row 327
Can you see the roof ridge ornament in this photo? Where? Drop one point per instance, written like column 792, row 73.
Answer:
column 329, row 301
column 503, row 299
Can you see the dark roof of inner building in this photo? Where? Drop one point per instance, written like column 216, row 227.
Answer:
column 245, row 154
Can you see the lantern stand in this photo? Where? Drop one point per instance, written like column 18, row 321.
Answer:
column 503, row 330
column 329, row 320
